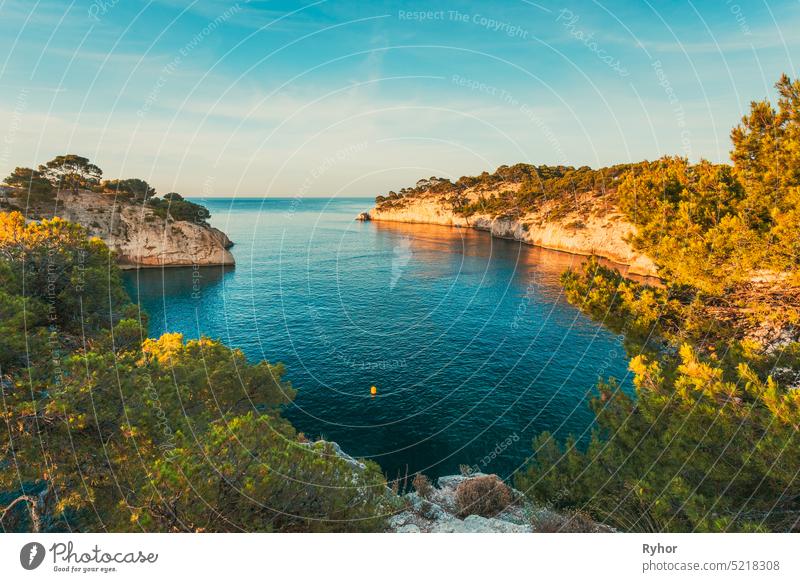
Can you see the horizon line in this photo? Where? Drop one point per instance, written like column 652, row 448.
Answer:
column 257, row 197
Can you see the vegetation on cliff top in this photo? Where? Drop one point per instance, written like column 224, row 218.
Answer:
column 39, row 189
column 106, row 430
column 513, row 190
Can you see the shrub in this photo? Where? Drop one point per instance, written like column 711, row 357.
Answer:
column 175, row 206
column 133, row 188
column 486, row 496
column 422, row 485
column 722, row 438
column 32, row 183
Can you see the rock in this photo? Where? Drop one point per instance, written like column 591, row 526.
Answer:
column 350, row 460
column 453, row 481
column 400, row 519
column 321, row 446
column 773, row 337
column 410, row 528
column 141, row 238
column 479, row 524
column 603, row 231
column 425, row 508
column 438, row 512
column 363, row 217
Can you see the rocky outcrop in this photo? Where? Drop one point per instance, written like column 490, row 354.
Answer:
column 588, row 226
column 141, row 238
column 437, row 512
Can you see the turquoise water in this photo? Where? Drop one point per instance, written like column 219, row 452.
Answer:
column 468, row 339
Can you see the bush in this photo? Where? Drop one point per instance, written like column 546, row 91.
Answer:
column 723, row 439
column 422, row 485
column 133, row 188
column 486, row 496
column 175, row 206
column 32, row 183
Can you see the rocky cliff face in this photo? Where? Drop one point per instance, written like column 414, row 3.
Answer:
column 140, row 237
column 588, row 226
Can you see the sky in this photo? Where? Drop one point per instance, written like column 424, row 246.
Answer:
column 346, row 98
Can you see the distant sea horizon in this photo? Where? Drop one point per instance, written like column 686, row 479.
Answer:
column 282, row 197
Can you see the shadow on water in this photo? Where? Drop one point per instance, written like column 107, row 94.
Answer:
column 150, row 286
column 173, row 281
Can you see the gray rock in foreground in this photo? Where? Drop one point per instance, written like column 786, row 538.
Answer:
column 438, row 513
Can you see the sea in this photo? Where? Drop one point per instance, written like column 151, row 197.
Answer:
column 424, row 348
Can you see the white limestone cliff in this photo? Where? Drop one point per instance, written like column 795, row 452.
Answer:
column 141, row 238
column 588, row 227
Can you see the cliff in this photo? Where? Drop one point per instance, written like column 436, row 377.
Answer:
column 585, row 224
column 139, row 236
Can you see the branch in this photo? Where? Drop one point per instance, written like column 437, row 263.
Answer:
column 31, row 501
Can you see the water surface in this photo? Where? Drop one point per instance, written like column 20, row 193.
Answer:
column 468, row 339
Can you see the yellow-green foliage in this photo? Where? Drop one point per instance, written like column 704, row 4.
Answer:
column 710, row 440
column 255, row 467
column 689, row 222
column 694, row 451
column 710, row 225
column 107, row 430
column 640, row 312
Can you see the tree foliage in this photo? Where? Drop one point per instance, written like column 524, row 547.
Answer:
column 71, row 172
column 132, row 188
column 709, row 441
column 175, row 206
column 712, row 226
column 107, row 430
column 33, row 183
column 691, row 221
column 697, row 449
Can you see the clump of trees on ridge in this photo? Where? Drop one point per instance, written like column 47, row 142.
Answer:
column 73, row 173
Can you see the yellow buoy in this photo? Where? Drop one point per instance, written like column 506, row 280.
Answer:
column 373, row 390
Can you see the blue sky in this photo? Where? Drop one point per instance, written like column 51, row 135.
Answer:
column 223, row 98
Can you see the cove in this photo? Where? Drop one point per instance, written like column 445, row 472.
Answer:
column 468, row 340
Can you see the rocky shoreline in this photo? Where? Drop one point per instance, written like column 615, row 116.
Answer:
column 590, row 229
column 437, row 512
